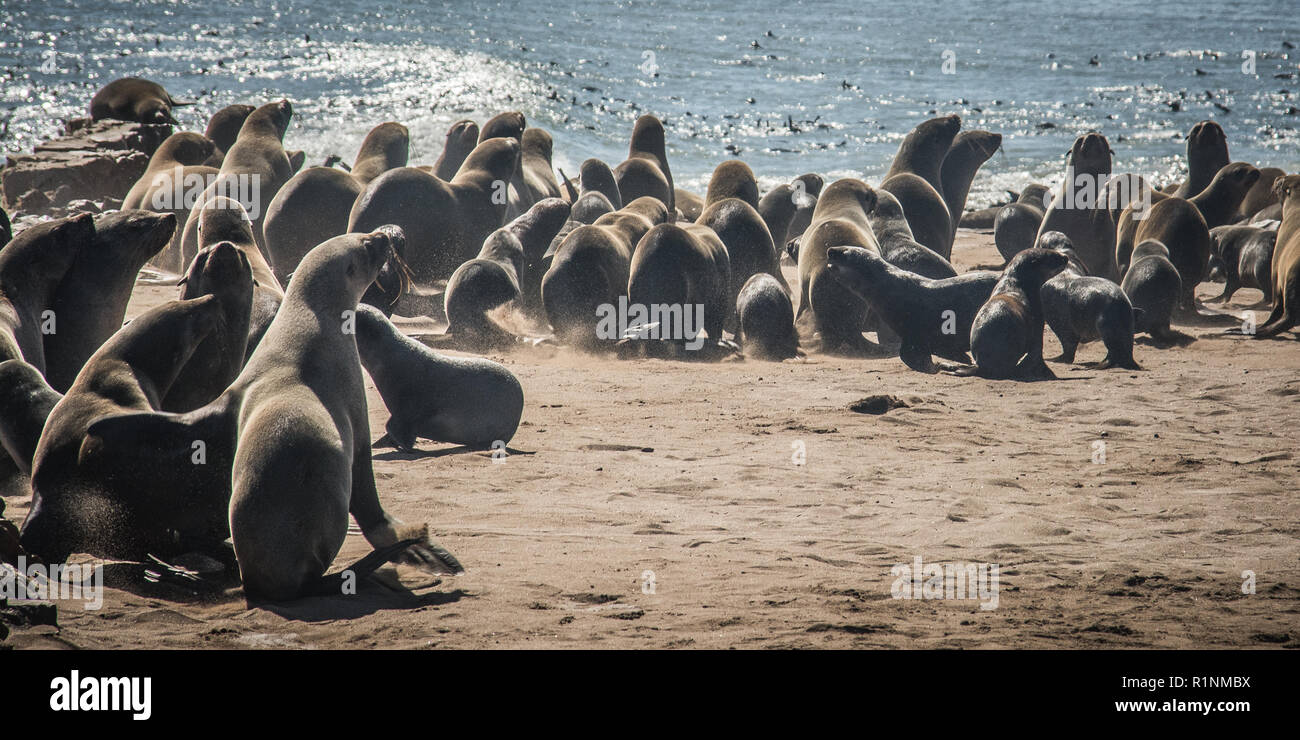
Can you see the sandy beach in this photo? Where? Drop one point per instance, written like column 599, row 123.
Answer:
column 657, row 504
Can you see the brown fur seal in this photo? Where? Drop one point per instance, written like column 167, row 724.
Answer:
column 1246, row 254
column 221, row 270
column 766, row 319
column 894, row 238
column 462, row 137
column 90, row 303
column 1286, row 261
column 460, row 400
column 646, row 171
column 931, row 317
column 1183, row 227
column 84, row 503
column 511, row 125
column 445, row 222
column 808, row 188
column 968, row 152
column 683, row 268
column 26, row 401
column 296, row 422
column 1154, row 288
column 732, row 179
column 1016, row 225
column 1217, row 205
column 1006, row 338
column 32, row 266
column 730, row 211
column 915, row 178
column 1207, row 153
column 133, row 99
column 1261, row 195
column 223, row 129
column 315, row 204
column 535, row 165
column 222, row 220
column 595, row 175
column 689, row 205
column 1078, row 210
column 1081, row 308
column 498, row 274
column 840, row 219
column 590, row 268
column 180, row 150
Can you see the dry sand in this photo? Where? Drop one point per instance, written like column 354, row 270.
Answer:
column 686, row 470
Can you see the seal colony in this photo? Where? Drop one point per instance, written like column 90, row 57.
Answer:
column 258, row 365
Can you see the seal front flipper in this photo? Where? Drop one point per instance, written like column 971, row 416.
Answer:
column 27, row 401
column 918, row 358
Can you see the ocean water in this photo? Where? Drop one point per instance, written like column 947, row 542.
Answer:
column 790, row 87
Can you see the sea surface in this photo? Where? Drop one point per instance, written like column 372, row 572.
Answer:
column 790, row 87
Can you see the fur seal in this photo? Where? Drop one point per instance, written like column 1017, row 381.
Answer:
column 314, row 204
column 498, row 275
column 931, row 317
column 1217, row 205
column 535, row 164
column 91, row 301
column 766, row 319
column 590, row 268
column 689, row 205
column 511, row 125
column 6, row 229
column 731, row 212
column 460, row 400
column 462, row 137
column 83, row 502
column 1183, row 227
column 32, row 266
column 223, row 129
column 1154, row 288
column 1006, row 338
column 1261, row 195
column 1246, row 256
column 808, row 188
column 595, row 175
column 839, row 314
column 967, row 153
column 1207, row 153
column 684, row 266
column 1081, row 308
column 646, row 171
column 732, row 179
column 915, row 179
column 180, row 150
column 26, row 401
column 1286, row 261
column 1078, row 211
column 1015, row 228
column 290, row 437
column 445, row 222
column 894, row 238
column 134, row 99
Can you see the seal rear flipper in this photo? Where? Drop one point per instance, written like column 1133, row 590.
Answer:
column 333, row 584
column 918, row 359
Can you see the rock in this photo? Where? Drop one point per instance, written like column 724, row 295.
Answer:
column 82, row 205
column 95, row 161
column 34, row 201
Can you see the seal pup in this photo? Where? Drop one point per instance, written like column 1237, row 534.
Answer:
column 915, row 178
column 1182, row 226
column 1077, row 209
column 838, row 314
column 462, row 137
column 967, row 153
column 221, row 270
column 894, row 238
column 32, row 267
column 595, row 175
column 223, row 128
column 1154, row 288
column 314, row 204
column 766, row 319
column 931, row 317
column 1015, row 228
column 460, row 400
column 1286, row 261
column 590, row 269
column 90, row 303
column 84, row 502
column 1006, row 337
column 1207, row 153
column 499, row 274
column 1217, row 205
column 134, row 99
column 1081, row 308
column 180, row 150
column 445, row 222
column 646, row 171
column 1246, row 256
